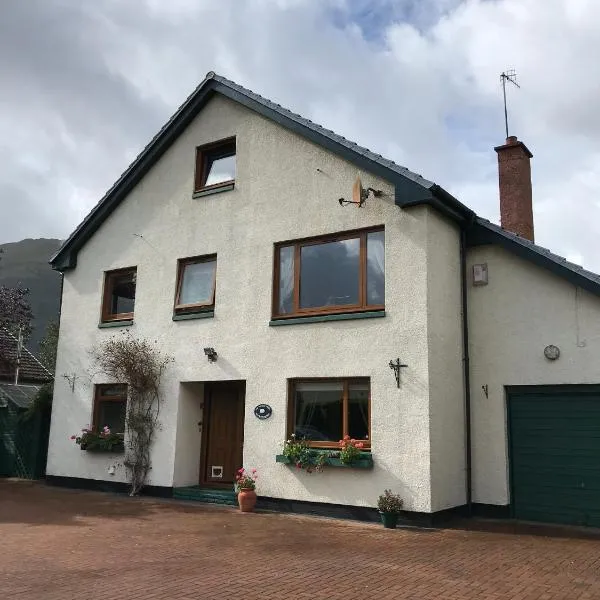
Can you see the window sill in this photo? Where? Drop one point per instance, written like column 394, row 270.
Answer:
column 319, row 318
column 364, row 462
column 124, row 323
column 119, row 449
column 207, row 314
column 215, row 190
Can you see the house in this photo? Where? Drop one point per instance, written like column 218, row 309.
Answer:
column 23, row 442
column 462, row 354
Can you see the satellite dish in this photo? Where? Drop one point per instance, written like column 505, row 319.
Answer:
column 359, row 195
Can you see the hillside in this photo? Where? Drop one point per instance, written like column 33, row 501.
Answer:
column 25, row 263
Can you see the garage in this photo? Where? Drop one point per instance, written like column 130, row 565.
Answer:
column 554, row 445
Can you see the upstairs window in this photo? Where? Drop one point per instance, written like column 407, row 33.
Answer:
column 333, row 274
column 110, row 407
column 119, row 294
column 323, row 411
column 215, row 165
column 196, row 279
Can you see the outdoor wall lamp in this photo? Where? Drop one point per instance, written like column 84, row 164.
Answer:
column 211, row 353
column 396, row 366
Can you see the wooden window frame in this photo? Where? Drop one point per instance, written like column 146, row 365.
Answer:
column 219, row 149
column 109, row 276
column 100, row 398
column 346, row 381
column 361, row 306
column 197, row 306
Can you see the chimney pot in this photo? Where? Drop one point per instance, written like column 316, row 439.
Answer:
column 514, row 178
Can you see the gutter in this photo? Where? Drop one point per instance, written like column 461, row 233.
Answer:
column 466, row 373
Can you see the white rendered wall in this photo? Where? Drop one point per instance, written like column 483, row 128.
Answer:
column 279, row 195
column 188, row 436
column 446, row 378
column 523, row 309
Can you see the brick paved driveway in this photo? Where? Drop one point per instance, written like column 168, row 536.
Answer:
column 62, row 544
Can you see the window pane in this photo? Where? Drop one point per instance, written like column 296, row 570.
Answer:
column 358, row 411
column 220, row 169
column 319, row 411
column 112, row 414
column 376, row 267
column 286, row 280
column 122, row 293
column 198, row 283
column 113, row 390
column 329, row 274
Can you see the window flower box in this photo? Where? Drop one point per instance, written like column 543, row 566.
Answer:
column 104, row 440
column 115, row 449
column 365, row 460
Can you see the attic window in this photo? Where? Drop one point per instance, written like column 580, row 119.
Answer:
column 119, row 295
column 215, row 165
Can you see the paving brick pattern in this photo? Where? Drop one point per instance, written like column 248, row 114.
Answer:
column 60, row 544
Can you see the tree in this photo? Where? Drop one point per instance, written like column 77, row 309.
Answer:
column 48, row 346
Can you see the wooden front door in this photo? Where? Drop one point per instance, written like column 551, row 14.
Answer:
column 222, row 433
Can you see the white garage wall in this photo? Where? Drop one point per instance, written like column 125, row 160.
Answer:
column 522, row 309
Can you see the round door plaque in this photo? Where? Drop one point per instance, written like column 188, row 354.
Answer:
column 263, row 411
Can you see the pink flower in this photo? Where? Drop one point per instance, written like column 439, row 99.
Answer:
column 254, row 470
column 240, row 470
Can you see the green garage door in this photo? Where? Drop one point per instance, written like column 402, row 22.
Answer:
column 555, row 455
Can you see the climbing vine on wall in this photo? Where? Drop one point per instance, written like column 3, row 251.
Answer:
column 139, row 364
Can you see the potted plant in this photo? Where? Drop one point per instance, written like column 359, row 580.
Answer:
column 350, row 450
column 102, row 441
column 245, row 484
column 389, row 506
column 298, row 453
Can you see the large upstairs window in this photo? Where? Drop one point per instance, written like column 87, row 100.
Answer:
column 339, row 273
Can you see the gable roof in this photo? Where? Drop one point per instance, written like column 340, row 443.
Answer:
column 411, row 189
column 30, row 368
column 483, row 231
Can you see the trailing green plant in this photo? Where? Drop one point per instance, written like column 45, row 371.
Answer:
column 350, row 450
column 104, row 439
column 300, row 454
column 140, row 365
column 389, row 503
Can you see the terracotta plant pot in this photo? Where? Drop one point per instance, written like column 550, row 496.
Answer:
column 247, row 499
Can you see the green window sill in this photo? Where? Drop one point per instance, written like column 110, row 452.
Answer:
column 108, row 324
column 364, row 462
column 208, row 314
column 216, row 190
column 319, row 318
column 118, row 449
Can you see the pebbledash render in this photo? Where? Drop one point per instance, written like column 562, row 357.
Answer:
column 229, row 241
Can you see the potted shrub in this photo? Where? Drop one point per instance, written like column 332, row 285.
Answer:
column 245, row 484
column 389, row 506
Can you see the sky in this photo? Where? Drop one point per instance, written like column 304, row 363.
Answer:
column 85, row 85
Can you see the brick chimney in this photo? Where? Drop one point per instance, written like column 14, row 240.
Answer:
column 514, row 177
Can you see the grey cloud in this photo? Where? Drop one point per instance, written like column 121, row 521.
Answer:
column 84, row 86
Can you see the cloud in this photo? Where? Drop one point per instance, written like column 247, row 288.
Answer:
column 85, row 86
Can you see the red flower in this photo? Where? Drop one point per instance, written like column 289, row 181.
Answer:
column 73, row 437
